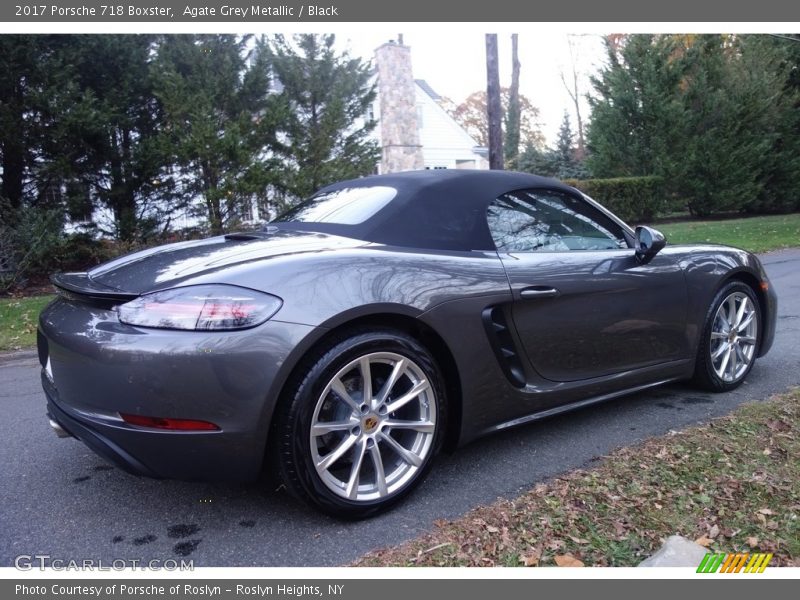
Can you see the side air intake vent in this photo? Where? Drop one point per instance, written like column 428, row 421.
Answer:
column 494, row 320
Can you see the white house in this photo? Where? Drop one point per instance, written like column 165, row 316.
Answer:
column 445, row 144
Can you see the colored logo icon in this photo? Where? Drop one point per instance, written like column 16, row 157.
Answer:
column 734, row 563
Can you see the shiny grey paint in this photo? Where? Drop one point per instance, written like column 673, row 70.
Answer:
column 606, row 300
column 102, row 368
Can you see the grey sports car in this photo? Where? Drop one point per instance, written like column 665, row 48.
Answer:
column 385, row 318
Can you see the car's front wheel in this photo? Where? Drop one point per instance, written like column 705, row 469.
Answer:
column 360, row 425
column 729, row 345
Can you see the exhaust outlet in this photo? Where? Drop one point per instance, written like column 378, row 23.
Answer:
column 58, row 429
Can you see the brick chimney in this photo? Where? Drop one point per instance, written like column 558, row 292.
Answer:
column 401, row 148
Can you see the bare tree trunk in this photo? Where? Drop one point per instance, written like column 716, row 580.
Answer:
column 493, row 106
column 573, row 89
column 513, row 120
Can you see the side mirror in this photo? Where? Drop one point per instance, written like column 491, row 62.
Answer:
column 649, row 242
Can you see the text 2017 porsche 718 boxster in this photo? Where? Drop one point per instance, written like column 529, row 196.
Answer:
column 383, row 318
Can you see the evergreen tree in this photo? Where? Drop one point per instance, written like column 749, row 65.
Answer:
column 568, row 165
column 636, row 108
column 221, row 122
column 715, row 116
column 36, row 88
column 18, row 77
column 326, row 98
column 110, row 148
column 538, row 161
column 559, row 162
column 779, row 55
column 78, row 132
column 565, row 148
column 727, row 128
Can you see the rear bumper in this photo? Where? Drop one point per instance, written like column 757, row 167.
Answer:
column 96, row 440
column 99, row 368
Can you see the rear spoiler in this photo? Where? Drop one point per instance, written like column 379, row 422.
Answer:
column 83, row 285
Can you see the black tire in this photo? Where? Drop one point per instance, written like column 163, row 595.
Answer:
column 296, row 453
column 706, row 373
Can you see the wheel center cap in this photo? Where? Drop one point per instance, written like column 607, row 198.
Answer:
column 732, row 337
column 370, row 423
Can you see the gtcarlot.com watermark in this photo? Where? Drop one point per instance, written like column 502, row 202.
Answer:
column 30, row 562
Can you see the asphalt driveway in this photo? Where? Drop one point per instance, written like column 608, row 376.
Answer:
column 58, row 498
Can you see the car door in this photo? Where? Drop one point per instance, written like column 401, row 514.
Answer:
column 583, row 305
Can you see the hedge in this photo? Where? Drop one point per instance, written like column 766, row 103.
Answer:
column 634, row 199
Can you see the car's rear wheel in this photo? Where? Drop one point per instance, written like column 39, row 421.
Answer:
column 359, row 428
column 729, row 345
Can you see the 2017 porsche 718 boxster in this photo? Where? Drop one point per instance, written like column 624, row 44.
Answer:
column 352, row 337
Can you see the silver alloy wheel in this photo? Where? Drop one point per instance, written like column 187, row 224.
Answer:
column 733, row 337
column 373, row 426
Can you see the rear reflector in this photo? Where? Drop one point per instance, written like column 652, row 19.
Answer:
column 171, row 424
column 41, row 347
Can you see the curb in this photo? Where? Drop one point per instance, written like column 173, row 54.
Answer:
column 17, row 356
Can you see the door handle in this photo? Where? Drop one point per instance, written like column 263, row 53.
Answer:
column 536, row 292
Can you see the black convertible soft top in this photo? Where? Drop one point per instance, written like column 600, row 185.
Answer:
column 433, row 209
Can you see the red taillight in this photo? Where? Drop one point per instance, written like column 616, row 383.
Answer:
column 172, row 424
column 200, row 308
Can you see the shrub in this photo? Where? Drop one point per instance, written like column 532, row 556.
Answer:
column 33, row 246
column 635, row 199
column 79, row 252
column 28, row 239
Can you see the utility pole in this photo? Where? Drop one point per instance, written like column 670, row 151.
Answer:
column 493, row 106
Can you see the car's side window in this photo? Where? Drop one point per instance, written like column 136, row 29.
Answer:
column 550, row 221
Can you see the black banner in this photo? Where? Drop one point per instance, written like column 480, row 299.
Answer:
column 386, row 589
column 338, row 11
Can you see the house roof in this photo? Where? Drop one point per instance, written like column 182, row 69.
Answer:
column 425, row 86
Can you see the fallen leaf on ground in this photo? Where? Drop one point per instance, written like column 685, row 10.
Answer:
column 531, row 559
column 567, row 560
column 713, row 532
column 752, row 541
column 778, row 425
column 703, row 541
column 578, row 540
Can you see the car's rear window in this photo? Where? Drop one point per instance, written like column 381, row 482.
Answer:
column 348, row 206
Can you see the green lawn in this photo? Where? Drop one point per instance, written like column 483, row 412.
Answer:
column 757, row 234
column 18, row 317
